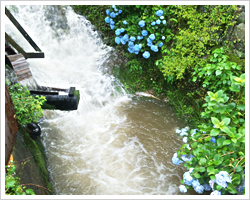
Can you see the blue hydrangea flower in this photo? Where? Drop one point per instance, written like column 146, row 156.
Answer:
column 199, row 189
column 183, row 189
column 158, row 21
column 152, row 37
column 132, row 38
column 131, row 49
column 164, row 21
column 176, row 160
column 146, row 54
column 112, row 26
column 185, row 139
column 123, row 41
column 141, row 23
column 117, row 40
column 139, row 37
column 191, row 170
column 160, row 44
column 216, row 192
column 131, row 44
column 153, row 23
column 113, row 6
column 149, row 44
column 144, row 33
column 163, row 37
column 187, row 178
column 149, row 41
column 159, row 13
column 226, row 176
column 124, row 22
column 112, row 15
column 211, row 183
column 154, row 48
column 195, row 183
column 137, row 47
column 206, row 187
column 178, row 130
column 161, row 17
column 140, row 46
column 120, row 11
column 107, row 12
column 122, row 30
column 220, row 181
column 107, row 20
column 126, row 37
column 213, row 140
column 112, row 21
column 116, row 9
column 183, row 132
column 118, row 32
column 184, row 158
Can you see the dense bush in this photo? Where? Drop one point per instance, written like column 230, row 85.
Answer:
column 28, row 108
column 217, row 146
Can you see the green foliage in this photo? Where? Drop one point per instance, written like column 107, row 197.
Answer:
column 12, row 183
column 224, row 121
column 200, row 28
column 90, row 12
column 28, row 108
column 217, row 72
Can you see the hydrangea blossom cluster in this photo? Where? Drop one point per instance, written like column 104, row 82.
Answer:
column 190, row 181
column 133, row 47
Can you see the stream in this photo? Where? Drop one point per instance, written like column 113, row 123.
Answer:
column 114, row 143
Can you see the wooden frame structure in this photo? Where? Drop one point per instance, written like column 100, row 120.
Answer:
column 38, row 54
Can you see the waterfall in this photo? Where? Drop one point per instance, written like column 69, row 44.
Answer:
column 115, row 143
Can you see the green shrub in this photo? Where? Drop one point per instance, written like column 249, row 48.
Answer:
column 28, row 108
column 12, row 183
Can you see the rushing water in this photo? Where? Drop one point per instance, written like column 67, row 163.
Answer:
column 115, row 143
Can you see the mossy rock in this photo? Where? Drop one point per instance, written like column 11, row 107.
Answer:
column 233, row 58
column 30, row 159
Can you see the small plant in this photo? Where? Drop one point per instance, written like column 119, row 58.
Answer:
column 216, row 74
column 28, row 108
column 12, row 183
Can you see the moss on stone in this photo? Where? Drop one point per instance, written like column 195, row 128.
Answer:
column 233, row 58
column 76, row 93
column 36, row 148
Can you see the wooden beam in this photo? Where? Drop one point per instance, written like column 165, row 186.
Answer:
column 22, row 31
column 20, row 49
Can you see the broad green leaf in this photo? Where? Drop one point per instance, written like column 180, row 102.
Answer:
column 231, row 188
column 214, row 132
column 220, row 141
column 217, row 157
column 218, row 162
column 226, row 142
column 218, row 72
column 226, row 121
column 202, row 169
column 197, row 175
column 226, row 130
column 238, row 168
column 202, row 161
column 234, row 140
column 242, row 140
column 215, row 120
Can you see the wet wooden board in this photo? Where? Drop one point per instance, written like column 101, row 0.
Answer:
column 20, row 66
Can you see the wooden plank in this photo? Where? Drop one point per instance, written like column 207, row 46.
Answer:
column 22, row 31
column 20, row 66
column 20, row 49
